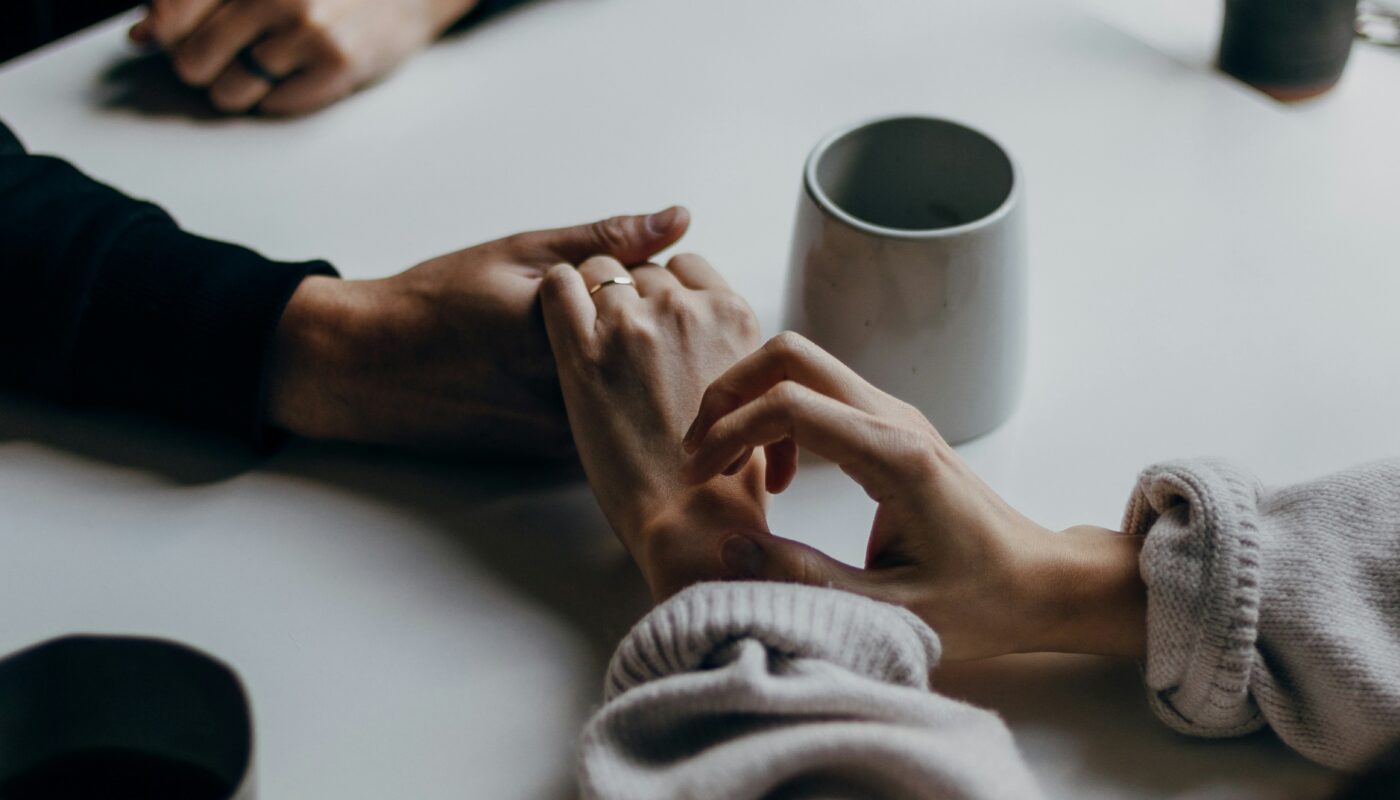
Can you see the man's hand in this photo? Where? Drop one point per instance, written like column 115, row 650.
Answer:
column 449, row 354
column 301, row 54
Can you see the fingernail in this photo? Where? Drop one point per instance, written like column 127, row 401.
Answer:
column 688, row 442
column 661, row 221
column 742, row 557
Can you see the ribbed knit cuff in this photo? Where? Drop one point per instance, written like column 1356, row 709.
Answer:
column 1201, row 564
column 870, row 638
column 183, row 326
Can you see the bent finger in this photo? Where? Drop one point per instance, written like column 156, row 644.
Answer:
column 695, row 272
column 237, row 90
column 569, row 314
column 317, row 87
column 652, row 280
column 786, row 357
column 782, row 465
column 170, row 21
column 610, row 286
column 284, row 53
column 214, row 45
column 850, row 437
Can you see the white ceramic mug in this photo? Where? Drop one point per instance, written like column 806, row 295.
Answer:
column 909, row 265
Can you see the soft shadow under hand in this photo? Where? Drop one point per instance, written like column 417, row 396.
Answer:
column 146, row 85
column 182, row 457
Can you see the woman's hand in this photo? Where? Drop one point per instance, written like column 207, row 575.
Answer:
column 943, row 544
column 449, row 354
column 300, row 54
column 633, row 361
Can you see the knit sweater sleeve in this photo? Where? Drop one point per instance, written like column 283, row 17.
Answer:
column 1274, row 607
column 748, row 690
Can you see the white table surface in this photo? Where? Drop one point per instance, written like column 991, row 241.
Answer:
column 1212, row 274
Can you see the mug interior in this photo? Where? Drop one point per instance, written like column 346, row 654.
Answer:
column 913, row 174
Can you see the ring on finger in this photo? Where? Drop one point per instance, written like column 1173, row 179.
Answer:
column 623, row 280
column 255, row 68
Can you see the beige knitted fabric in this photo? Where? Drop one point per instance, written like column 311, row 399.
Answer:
column 1277, row 608
column 745, row 690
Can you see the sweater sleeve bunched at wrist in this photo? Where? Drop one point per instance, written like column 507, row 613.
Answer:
column 1274, row 607
column 748, row 690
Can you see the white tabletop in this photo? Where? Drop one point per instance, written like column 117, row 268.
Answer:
column 1212, row 274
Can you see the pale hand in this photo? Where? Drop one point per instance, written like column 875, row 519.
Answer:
column 318, row 50
column 633, row 362
column 943, row 544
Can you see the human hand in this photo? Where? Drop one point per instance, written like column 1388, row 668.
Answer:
column 986, row 578
column 449, row 354
column 633, row 362
column 301, row 54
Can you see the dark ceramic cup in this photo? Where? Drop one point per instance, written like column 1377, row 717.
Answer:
column 122, row 718
column 1290, row 49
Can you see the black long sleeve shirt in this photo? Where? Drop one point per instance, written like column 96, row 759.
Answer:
column 104, row 300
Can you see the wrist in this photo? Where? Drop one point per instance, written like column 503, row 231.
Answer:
column 1085, row 595
column 311, row 359
column 680, row 544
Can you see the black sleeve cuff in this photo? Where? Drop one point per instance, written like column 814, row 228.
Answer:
column 183, row 326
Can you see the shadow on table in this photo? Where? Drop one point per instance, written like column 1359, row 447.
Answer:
column 1092, row 713
column 473, row 502
column 147, row 85
column 531, row 524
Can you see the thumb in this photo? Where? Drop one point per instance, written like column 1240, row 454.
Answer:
column 772, row 558
column 632, row 240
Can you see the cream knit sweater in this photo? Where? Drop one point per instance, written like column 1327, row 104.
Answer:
column 1277, row 608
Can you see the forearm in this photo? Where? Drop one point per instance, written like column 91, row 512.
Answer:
column 109, row 303
column 1086, row 595
column 313, row 360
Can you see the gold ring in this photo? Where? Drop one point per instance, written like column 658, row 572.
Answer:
column 623, row 281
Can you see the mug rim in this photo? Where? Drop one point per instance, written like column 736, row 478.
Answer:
column 821, row 198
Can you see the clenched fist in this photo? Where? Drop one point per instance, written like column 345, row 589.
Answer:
column 290, row 56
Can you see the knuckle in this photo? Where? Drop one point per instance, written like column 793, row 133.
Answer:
column 785, row 396
column 637, row 330
column 685, row 261
column 188, row 65
column 600, row 263
column 514, row 244
column 610, row 235
column 676, row 305
column 718, row 398
column 554, row 284
column 915, row 449
column 226, row 101
column 734, row 309
column 333, row 56
column 299, row 10
column 788, row 345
